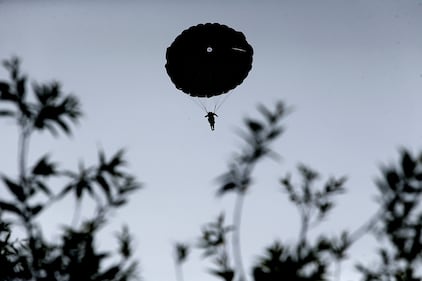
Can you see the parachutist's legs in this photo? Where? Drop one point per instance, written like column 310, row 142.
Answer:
column 212, row 125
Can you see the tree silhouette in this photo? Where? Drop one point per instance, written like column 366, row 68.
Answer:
column 400, row 224
column 398, row 221
column 74, row 257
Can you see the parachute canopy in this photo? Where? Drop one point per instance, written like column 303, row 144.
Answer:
column 208, row 60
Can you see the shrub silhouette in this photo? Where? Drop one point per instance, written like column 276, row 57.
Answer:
column 398, row 220
column 74, row 257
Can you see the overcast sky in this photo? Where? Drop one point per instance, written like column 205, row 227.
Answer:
column 351, row 69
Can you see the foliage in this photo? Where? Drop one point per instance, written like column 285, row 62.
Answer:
column 74, row 256
column 400, row 191
column 398, row 221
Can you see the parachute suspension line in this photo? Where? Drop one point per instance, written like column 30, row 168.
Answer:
column 221, row 102
column 199, row 103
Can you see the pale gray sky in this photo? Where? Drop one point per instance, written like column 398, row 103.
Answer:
column 351, row 69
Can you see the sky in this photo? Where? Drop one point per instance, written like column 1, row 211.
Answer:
column 352, row 71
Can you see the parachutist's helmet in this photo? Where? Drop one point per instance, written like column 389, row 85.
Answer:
column 208, row 60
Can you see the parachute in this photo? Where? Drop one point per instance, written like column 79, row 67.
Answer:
column 208, row 60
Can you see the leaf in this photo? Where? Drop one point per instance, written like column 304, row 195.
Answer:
column 274, row 133
column 418, row 176
column 15, row 189
column 6, row 206
column 226, row 275
column 105, row 186
column 254, row 125
column 25, row 109
column 5, row 93
column 41, row 186
column 118, row 202
column 66, row 190
column 325, row 207
column 80, row 186
column 182, row 251
column 63, row 125
column 129, row 188
column 266, row 113
column 20, row 87
column 408, row 164
column 36, row 209
column 392, row 179
column 116, row 161
column 230, row 186
column 51, row 129
column 44, row 167
column 4, row 88
column 6, row 113
column 101, row 157
column 125, row 242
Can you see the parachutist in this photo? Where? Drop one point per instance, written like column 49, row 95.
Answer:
column 211, row 119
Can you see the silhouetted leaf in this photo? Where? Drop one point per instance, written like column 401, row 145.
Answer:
column 226, row 275
column 20, row 87
column 254, row 125
column 307, row 173
column 25, row 109
column 125, row 240
column 181, row 251
column 230, row 186
column 15, row 189
column 63, row 125
column 11, row 207
column 274, row 133
column 105, row 186
column 267, row 114
column 118, row 202
column 392, row 179
column 44, row 167
column 7, row 113
column 81, row 186
column 36, row 209
column 51, row 129
column 43, row 187
column 12, row 66
column 116, row 161
column 4, row 89
column 66, row 190
column 129, row 187
column 418, row 176
column 325, row 207
column 408, row 164
column 334, row 185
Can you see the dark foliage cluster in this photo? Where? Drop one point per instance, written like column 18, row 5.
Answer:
column 74, row 256
column 398, row 221
column 400, row 225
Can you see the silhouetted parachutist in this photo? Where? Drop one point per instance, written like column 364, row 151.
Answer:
column 211, row 119
column 209, row 60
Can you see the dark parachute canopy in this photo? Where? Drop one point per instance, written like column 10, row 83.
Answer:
column 208, row 60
